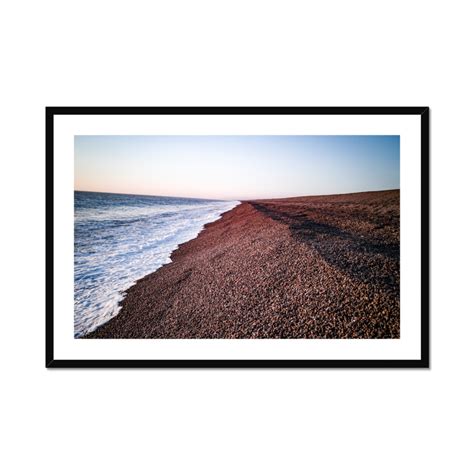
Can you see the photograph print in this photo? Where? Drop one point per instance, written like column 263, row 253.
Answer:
column 257, row 249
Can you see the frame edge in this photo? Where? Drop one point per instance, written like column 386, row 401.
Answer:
column 49, row 198
column 425, row 236
column 423, row 362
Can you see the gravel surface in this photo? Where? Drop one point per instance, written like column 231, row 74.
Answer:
column 311, row 267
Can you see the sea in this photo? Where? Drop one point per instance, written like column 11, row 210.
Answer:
column 120, row 238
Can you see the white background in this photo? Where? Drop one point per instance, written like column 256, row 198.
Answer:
column 235, row 53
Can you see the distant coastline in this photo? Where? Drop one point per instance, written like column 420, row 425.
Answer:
column 303, row 267
column 234, row 199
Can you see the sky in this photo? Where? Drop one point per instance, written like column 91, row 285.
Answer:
column 236, row 167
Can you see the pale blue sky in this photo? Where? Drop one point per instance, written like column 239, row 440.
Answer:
column 237, row 167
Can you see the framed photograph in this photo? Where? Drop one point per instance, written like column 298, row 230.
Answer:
column 237, row 237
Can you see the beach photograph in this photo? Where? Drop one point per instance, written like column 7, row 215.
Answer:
column 237, row 237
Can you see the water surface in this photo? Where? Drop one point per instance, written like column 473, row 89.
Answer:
column 120, row 238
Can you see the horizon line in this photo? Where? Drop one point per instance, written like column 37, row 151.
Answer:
column 236, row 199
column 150, row 195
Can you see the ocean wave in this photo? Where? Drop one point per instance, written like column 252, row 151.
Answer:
column 119, row 239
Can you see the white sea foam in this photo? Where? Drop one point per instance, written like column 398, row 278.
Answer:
column 120, row 239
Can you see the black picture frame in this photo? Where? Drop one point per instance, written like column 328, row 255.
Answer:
column 422, row 362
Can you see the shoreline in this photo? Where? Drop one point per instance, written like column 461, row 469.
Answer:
column 309, row 267
column 115, row 250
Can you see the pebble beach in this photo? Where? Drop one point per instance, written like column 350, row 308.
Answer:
column 312, row 267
